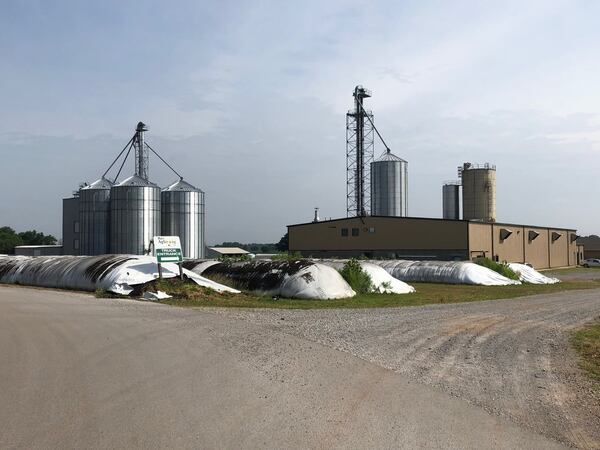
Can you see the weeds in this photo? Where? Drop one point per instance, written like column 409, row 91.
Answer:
column 500, row 268
column 284, row 256
column 587, row 343
column 356, row 277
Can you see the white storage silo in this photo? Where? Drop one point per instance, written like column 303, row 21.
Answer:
column 94, row 217
column 389, row 186
column 182, row 214
column 135, row 215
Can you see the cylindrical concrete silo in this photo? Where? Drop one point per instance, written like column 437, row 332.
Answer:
column 389, row 186
column 94, row 217
column 451, row 200
column 479, row 192
column 182, row 214
column 135, row 215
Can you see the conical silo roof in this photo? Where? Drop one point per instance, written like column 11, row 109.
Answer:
column 136, row 180
column 101, row 183
column 181, row 185
column 389, row 156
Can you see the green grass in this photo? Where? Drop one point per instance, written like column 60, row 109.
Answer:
column 285, row 256
column 427, row 293
column 587, row 343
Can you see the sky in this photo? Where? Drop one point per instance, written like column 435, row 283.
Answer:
column 247, row 100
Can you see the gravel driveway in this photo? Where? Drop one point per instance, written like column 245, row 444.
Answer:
column 511, row 357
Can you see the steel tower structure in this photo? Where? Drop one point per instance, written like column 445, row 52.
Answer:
column 141, row 151
column 359, row 155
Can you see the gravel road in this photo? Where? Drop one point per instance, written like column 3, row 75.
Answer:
column 511, row 357
column 80, row 372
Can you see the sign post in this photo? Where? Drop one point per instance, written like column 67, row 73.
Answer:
column 168, row 249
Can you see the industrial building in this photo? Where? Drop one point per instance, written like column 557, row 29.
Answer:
column 111, row 216
column 590, row 246
column 386, row 231
column 38, row 250
column 435, row 239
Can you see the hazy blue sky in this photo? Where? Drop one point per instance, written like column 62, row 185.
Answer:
column 248, row 101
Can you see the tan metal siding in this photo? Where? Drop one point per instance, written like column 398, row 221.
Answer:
column 558, row 249
column 536, row 251
column 511, row 248
column 480, row 240
column 389, row 234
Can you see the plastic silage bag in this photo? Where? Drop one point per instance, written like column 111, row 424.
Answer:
column 383, row 282
column 530, row 275
column 115, row 273
column 290, row 279
column 451, row 272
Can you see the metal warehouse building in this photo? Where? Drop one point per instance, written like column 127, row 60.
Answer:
column 436, row 239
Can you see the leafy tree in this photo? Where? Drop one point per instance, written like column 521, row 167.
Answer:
column 252, row 248
column 283, row 245
column 231, row 244
column 9, row 239
column 33, row 237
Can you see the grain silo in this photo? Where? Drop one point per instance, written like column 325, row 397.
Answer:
column 135, row 215
column 94, row 217
column 451, row 200
column 389, row 186
column 182, row 214
column 479, row 192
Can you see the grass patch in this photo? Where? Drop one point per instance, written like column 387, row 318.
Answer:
column 427, row 293
column 285, row 256
column 502, row 269
column 587, row 343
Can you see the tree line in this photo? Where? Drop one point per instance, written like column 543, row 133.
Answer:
column 281, row 246
column 9, row 239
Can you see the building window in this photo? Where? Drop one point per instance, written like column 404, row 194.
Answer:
column 76, row 226
column 76, row 244
column 354, row 231
column 372, row 230
column 345, row 232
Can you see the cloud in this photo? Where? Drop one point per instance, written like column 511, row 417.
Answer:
column 249, row 100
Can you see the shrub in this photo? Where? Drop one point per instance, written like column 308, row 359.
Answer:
column 285, row 256
column 239, row 258
column 500, row 268
column 356, row 277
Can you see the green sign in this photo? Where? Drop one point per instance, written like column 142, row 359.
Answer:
column 169, row 255
column 167, row 249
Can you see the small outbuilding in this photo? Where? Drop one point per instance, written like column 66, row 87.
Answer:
column 39, row 250
column 226, row 252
